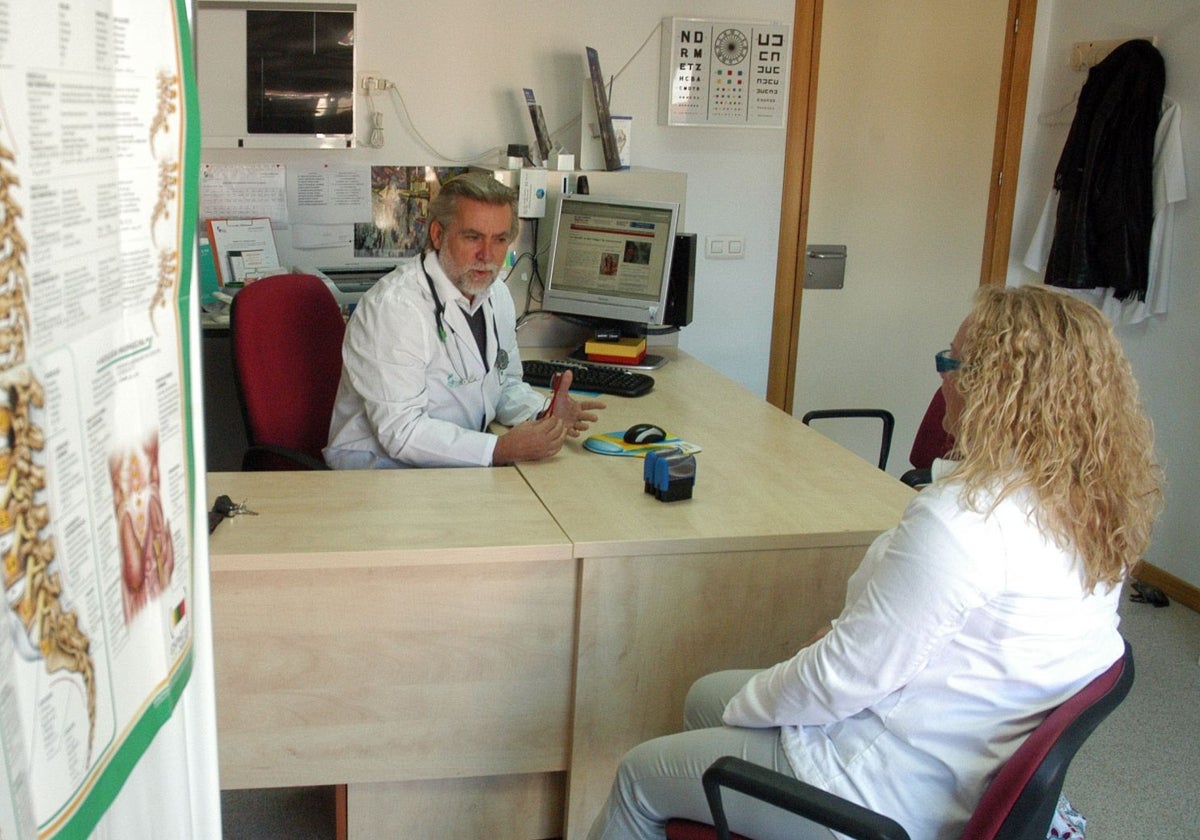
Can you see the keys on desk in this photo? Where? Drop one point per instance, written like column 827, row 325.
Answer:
column 225, row 508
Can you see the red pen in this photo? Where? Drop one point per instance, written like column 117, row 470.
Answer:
column 559, row 392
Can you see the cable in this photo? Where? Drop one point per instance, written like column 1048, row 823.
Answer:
column 512, row 271
column 535, row 278
column 657, row 29
column 494, row 151
column 376, row 139
column 537, row 313
column 578, row 118
column 428, row 146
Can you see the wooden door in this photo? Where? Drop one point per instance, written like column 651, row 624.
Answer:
column 797, row 178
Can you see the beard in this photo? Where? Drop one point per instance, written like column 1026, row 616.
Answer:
column 470, row 279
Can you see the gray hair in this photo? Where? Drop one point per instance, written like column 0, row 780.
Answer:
column 476, row 186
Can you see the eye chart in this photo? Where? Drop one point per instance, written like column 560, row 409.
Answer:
column 724, row 73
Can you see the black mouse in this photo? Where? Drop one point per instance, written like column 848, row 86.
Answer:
column 644, row 433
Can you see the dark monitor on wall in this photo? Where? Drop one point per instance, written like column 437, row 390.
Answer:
column 610, row 259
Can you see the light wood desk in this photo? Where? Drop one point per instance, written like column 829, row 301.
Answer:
column 400, row 625
column 738, row 576
column 521, row 628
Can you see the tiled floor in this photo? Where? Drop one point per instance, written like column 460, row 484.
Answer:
column 1136, row 777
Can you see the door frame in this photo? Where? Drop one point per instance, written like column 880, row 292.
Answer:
column 797, row 178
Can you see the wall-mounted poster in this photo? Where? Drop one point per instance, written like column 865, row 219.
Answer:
column 400, row 197
column 724, row 73
column 99, row 150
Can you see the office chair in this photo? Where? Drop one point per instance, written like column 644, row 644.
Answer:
column 287, row 359
column 1018, row 804
column 930, row 443
column 889, row 423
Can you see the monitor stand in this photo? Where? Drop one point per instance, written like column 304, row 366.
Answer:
column 650, row 361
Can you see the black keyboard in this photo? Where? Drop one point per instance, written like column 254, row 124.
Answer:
column 602, row 379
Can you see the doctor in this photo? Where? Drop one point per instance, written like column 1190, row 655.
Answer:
column 430, row 356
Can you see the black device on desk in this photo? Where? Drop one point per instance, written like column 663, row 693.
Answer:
column 588, row 377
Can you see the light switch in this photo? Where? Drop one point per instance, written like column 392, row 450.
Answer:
column 724, row 247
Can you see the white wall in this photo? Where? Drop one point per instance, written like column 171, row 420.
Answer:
column 461, row 65
column 1165, row 351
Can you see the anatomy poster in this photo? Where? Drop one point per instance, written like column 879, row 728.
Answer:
column 97, row 209
column 724, row 73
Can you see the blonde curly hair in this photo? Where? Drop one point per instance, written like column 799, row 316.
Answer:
column 1050, row 405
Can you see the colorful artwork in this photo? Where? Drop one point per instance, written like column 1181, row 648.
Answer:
column 400, row 197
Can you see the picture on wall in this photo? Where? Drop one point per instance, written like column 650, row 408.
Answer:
column 724, row 73
column 400, row 197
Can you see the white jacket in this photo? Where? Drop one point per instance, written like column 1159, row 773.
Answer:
column 960, row 631
column 407, row 398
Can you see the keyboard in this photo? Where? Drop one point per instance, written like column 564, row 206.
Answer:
column 602, row 379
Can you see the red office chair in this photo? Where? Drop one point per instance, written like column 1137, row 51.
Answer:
column 1018, row 805
column 931, row 442
column 287, row 359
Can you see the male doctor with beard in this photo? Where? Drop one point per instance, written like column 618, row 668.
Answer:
column 430, row 356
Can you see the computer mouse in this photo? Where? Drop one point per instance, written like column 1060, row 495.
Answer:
column 644, row 433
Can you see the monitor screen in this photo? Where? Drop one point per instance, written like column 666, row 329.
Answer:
column 610, row 258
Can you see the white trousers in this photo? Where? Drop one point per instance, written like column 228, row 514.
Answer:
column 660, row 779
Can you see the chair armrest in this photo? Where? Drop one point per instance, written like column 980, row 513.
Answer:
column 795, row 796
column 917, row 478
column 266, row 457
column 882, row 414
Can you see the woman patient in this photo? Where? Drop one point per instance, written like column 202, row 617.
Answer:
column 991, row 602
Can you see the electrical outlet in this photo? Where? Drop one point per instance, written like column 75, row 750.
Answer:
column 368, row 83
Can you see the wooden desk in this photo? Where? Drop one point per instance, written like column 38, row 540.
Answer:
column 401, row 625
column 738, row 576
column 491, row 653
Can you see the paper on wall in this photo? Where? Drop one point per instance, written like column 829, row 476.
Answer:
column 243, row 191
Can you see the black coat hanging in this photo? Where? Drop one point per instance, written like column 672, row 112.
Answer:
column 1105, row 176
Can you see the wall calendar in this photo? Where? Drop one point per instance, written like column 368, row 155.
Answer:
column 724, row 73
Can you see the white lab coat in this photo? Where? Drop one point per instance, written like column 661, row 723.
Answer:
column 960, row 631
column 407, row 398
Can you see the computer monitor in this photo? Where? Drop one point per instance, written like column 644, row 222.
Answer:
column 610, row 259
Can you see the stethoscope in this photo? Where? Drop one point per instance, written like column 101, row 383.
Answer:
column 439, row 313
